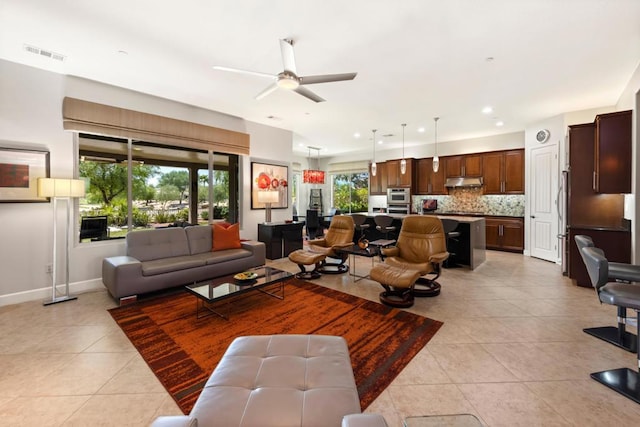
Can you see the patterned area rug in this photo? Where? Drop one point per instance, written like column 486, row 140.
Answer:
column 183, row 351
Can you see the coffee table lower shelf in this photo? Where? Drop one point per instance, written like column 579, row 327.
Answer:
column 211, row 292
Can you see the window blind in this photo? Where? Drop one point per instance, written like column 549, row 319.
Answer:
column 344, row 167
column 85, row 116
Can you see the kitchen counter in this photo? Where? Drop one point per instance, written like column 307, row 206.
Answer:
column 471, row 243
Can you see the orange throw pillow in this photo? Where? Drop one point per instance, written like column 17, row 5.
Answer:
column 226, row 236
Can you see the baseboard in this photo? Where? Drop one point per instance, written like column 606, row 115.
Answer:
column 44, row 293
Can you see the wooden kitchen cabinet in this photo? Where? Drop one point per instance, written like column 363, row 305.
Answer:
column 378, row 183
column 428, row 181
column 612, row 153
column 503, row 172
column 505, row 234
column 395, row 179
column 464, row 165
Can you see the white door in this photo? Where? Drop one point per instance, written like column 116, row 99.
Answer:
column 543, row 214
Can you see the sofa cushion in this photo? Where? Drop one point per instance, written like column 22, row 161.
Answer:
column 226, row 236
column 227, row 255
column 147, row 245
column 301, row 380
column 199, row 237
column 167, row 265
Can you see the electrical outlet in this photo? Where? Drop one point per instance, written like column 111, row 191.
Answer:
column 48, row 268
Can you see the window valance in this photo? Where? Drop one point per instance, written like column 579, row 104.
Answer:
column 84, row 116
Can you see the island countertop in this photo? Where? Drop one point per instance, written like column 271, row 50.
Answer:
column 460, row 218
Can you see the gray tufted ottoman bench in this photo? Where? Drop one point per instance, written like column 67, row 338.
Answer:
column 279, row 380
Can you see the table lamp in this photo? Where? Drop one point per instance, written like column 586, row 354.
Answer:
column 268, row 197
column 60, row 188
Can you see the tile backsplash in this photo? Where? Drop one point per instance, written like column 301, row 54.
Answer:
column 472, row 200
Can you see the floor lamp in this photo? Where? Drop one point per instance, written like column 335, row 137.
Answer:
column 59, row 188
column 268, row 197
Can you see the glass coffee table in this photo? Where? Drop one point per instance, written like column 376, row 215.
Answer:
column 209, row 292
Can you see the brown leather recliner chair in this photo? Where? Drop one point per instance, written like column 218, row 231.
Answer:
column 421, row 246
column 339, row 235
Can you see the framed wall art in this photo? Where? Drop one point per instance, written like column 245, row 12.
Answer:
column 269, row 178
column 19, row 173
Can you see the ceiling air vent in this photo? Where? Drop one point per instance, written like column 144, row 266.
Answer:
column 46, row 53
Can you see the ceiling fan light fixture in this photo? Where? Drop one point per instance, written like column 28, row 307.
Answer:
column 287, row 81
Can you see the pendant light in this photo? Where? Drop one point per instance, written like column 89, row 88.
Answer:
column 313, row 176
column 374, row 167
column 436, row 160
column 403, row 162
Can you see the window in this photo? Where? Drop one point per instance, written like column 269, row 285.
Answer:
column 350, row 192
column 165, row 186
column 295, row 191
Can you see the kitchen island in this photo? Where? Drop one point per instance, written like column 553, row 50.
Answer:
column 471, row 246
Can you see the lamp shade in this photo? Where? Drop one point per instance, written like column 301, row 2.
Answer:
column 268, row 197
column 60, row 187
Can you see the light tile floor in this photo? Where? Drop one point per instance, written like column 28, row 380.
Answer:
column 511, row 351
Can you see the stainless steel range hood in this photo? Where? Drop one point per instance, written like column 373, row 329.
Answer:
column 463, row 182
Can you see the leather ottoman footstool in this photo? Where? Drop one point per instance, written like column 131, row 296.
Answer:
column 304, row 258
column 397, row 282
column 278, row 380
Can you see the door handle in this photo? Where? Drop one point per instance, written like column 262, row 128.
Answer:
column 533, row 216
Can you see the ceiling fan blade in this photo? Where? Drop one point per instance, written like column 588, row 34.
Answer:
column 237, row 70
column 288, row 59
column 267, row 91
column 326, row 78
column 308, row 94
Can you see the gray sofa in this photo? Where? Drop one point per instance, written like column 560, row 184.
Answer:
column 163, row 258
column 280, row 380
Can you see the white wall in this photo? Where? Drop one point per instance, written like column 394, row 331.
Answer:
column 31, row 118
column 630, row 100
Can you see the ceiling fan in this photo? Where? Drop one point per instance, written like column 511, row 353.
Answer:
column 288, row 78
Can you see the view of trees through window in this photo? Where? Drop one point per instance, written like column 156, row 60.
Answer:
column 351, row 192
column 161, row 182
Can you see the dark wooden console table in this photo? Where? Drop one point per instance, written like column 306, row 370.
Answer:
column 280, row 238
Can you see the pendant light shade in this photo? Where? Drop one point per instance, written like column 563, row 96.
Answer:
column 313, row 176
column 436, row 160
column 403, row 162
column 374, row 167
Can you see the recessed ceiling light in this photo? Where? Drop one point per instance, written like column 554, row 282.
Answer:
column 499, row 123
column 380, row 142
column 356, row 135
column 487, row 110
column 301, row 145
column 421, row 130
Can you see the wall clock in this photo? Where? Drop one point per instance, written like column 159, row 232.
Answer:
column 543, row 136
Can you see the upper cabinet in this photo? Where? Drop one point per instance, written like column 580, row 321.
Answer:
column 378, row 183
column 503, row 172
column 612, row 154
column 396, row 179
column 465, row 165
column 429, row 182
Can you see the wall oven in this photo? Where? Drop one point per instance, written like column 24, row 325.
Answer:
column 398, row 196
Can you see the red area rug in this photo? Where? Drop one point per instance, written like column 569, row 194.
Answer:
column 183, row 351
